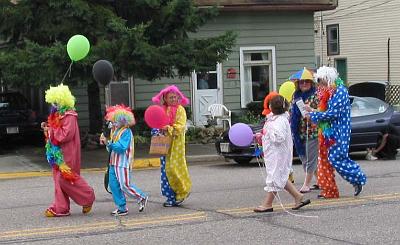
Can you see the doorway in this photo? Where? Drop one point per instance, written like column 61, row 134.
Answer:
column 341, row 67
column 207, row 90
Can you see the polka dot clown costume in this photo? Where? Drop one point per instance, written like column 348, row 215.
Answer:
column 175, row 179
column 121, row 148
column 334, row 127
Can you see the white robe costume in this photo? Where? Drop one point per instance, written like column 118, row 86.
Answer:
column 278, row 151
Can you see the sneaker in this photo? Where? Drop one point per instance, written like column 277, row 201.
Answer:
column 370, row 157
column 357, row 189
column 142, row 203
column 118, row 212
column 51, row 213
column 168, row 204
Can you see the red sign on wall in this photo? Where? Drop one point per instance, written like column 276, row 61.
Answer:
column 231, row 73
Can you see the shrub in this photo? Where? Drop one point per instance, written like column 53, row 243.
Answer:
column 255, row 108
column 203, row 135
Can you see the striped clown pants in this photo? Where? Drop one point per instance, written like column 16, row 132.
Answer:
column 119, row 182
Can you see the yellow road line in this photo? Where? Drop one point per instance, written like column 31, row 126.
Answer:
column 147, row 163
column 324, row 202
column 101, row 225
column 18, row 175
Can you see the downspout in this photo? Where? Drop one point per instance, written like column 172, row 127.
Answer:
column 388, row 93
column 322, row 40
column 388, row 61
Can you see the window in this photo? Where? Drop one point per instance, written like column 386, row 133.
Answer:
column 207, row 80
column 332, row 39
column 257, row 73
column 367, row 106
column 119, row 93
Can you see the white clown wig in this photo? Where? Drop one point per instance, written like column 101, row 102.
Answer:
column 328, row 74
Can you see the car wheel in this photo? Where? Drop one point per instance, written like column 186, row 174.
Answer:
column 243, row 160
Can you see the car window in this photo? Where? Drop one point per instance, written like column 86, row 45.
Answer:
column 365, row 106
column 13, row 101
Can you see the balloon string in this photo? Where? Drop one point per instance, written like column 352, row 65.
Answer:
column 68, row 72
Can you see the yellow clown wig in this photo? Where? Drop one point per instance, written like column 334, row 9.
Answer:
column 60, row 95
column 121, row 115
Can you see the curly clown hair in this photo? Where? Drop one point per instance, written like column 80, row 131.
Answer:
column 60, row 95
column 328, row 74
column 159, row 98
column 121, row 115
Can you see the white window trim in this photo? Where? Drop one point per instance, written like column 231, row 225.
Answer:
column 273, row 60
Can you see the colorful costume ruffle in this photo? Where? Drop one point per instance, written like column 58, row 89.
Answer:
column 63, row 152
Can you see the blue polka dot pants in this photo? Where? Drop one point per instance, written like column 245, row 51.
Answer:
column 165, row 187
column 347, row 168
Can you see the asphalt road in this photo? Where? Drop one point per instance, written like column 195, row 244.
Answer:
column 219, row 211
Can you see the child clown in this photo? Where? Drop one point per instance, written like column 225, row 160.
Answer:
column 121, row 148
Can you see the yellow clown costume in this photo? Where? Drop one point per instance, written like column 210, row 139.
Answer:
column 175, row 179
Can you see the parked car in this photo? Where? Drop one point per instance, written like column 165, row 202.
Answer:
column 16, row 116
column 369, row 116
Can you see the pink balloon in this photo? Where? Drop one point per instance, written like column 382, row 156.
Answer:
column 155, row 117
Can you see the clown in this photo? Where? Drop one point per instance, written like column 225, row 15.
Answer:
column 121, row 148
column 334, row 126
column 63, row 151
column 175, row 179
column 303, row 131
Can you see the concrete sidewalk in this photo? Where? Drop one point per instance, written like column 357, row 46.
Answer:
column 32, row 159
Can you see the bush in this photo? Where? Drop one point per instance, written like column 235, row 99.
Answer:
column 203, row 135
column 255, row 108
column 249, row 118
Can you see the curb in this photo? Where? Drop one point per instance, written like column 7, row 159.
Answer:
column 141, row 163
column 204, row 158
column 146, row 163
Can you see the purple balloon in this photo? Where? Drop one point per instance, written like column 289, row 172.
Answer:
column 241, row 134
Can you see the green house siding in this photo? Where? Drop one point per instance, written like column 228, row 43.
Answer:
column 291, row 33
column 145, row 90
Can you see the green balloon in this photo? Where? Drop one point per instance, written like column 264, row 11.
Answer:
column 78, row 47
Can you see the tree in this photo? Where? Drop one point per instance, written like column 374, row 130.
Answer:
column 146, row 39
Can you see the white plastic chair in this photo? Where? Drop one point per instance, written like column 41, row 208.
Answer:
column 220, row 113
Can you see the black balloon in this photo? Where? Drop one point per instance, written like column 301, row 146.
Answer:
column 103, row 72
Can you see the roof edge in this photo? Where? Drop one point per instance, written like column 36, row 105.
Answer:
column 268, row 5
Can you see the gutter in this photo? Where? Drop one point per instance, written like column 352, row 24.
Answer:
column 268, row 5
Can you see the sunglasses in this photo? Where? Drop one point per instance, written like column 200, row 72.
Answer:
column 304, row 82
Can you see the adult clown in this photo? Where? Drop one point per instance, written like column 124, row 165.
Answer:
column 63, row 152
column 336, row 131
column 175, row 179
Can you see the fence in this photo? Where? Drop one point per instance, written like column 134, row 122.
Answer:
column 393, row 94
